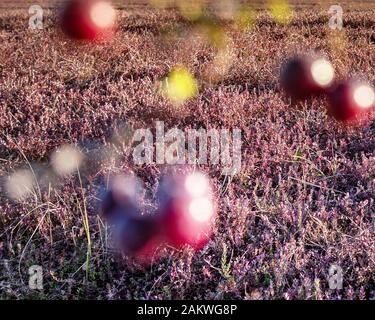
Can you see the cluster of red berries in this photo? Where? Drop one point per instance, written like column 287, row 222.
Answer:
column 307, row 76
column 184, row 216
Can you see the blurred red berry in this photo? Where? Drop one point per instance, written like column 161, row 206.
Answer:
column 305, row 76
column 350, row 99
column 134, row 234
column 88, row 19
column 186, row 210
column 140, row 238
column 120, row 199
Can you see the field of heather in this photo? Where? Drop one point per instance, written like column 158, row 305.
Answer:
column 304, row 199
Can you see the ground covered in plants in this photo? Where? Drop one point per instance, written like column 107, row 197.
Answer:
column 303, row 200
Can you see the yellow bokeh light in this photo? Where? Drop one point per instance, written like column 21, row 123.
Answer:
column 212, row 32
column 161, row 4
column 180, row 85
column 217, row 36
column 245, row 18
column 280, row 11
column 191, row 10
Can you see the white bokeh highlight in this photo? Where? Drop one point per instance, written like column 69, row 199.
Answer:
column 66, row 160
column 102, row 14
column 20, row 184
column 364, row 96
column 322, row 72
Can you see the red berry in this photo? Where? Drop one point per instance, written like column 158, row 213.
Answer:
column 139, row 237
column 88, row 19
column 186, row 210
column 350, row 99
column 120, row 199
column 134, row 234
column 305, row 76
